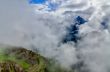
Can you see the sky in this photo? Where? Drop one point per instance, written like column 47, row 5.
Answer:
column 37, row 1
column 33, row 26
column 51, row 5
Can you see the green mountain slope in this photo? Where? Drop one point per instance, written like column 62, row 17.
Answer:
column 17, row 59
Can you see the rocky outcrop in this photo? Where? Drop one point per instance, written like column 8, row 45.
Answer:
column 18, row 59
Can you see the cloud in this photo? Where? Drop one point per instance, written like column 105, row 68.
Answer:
column 31, row 26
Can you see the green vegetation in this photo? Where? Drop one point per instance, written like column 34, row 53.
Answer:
column 16, row 59
column 26, row 59
column 6, row 57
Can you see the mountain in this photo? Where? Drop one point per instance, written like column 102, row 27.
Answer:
column 18, row 59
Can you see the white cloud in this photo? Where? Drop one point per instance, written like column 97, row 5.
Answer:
column 22, row 25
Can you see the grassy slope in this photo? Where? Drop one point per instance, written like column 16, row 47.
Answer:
column 4, row 57
column 42, row 65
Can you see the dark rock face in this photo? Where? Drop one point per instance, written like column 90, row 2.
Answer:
column 104, row 23
column 73, row 30
column 72, row 34
column 80, row 20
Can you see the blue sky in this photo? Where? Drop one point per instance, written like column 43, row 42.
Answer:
column 37, row 1
column 51, row 6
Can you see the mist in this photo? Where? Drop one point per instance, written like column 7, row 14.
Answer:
column 36, row 27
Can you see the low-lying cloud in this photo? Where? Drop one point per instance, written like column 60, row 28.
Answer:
column 22, row 24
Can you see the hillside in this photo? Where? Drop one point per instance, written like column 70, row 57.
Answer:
column 17, row 59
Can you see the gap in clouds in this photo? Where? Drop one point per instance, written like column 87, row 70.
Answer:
column 20, row 27
column 37, row 1
column 50, row 5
